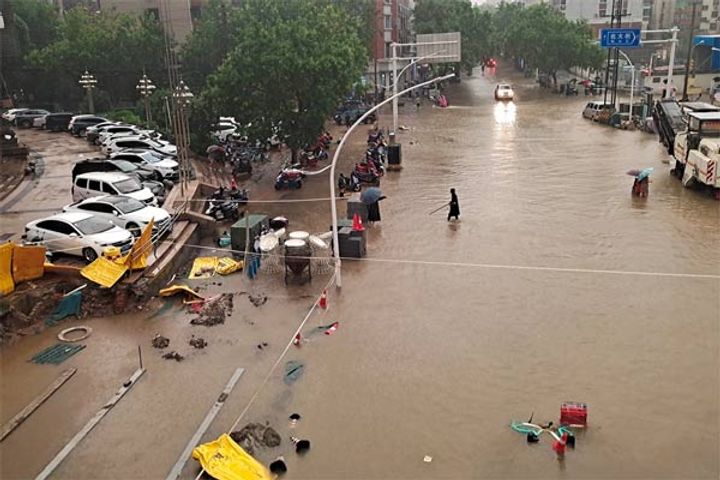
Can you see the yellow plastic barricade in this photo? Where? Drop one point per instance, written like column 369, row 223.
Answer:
column 203, row 267
column 28, row 263
column 6, row 279
column 191, row 296
column 227, row 265
column 104, row 272
column 226, row 460
column 137, row 258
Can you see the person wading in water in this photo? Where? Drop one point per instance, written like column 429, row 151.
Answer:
column 454, row 206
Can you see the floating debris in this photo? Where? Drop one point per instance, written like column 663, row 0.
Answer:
column 257, row 300
column 301, row 446
column 294, row 419
column 278, row 467
column 160, row 342
column 427, row 459
column 214, row 311
column 198, row 342
column 256, row 435
column 293, row 371
column 173, row 356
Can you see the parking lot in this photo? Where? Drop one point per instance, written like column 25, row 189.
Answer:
column 49, row 190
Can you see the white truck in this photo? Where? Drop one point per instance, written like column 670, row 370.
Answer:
column 696, row 152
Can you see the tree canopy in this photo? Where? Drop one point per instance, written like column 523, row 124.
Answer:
column 292, row 62
column 547, row 40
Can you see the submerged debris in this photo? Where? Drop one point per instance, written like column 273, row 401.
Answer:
column 256, row 435
column 198, row 342
column 160, row 342
column 215, row 310
column 173, row 356
column 257, row 300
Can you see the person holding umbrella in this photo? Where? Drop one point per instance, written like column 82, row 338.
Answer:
column 371, row 198
column 454, row 206
column 641, row 185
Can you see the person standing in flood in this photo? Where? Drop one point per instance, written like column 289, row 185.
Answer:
column 454, row 206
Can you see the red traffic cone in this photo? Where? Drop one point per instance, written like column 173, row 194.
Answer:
column 297, row 340
column 357, row 225
column 323, row 303
column 333, row 328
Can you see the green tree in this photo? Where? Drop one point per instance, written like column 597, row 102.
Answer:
column 114, row 48
column 38, row 22
column 546, row 40
column 293, row 62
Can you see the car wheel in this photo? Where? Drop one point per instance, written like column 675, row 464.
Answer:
column 158, row 176
column 134, row 229
column 89, row 254
column 26, row 123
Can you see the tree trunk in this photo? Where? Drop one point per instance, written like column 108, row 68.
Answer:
column 554, row 76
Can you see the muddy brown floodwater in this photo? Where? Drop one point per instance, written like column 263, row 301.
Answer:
column 554, row 285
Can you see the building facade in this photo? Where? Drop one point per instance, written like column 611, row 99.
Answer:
column 393, row 24
column 175, row 15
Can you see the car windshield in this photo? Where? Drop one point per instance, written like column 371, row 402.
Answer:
column 127, row 186
column 128, row 205
column 93, row 225
column 504, row 87
column 125, row 166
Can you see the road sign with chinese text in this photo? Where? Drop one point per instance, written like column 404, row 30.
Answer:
column 619, row 37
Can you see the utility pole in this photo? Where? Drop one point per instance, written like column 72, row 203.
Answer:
column 690, row 51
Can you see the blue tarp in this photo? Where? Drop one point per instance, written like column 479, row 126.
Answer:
column 70, row 305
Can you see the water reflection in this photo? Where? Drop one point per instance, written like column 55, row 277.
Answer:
column 505, row 113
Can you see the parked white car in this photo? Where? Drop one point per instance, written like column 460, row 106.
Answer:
column 123, row 211
column 164, row 167
column 117, row 130
column 224, row 130
column 144, row 142
column 78, row 233
column 12, row 113
column 39, row 122
column 94, row 184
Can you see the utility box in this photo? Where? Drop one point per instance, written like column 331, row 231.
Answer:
column 352, row 243
column 238, row 232
column 394, row 155
column 356, row 206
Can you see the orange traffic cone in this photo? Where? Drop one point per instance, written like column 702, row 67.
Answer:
column 357, row 225
column 323, row 303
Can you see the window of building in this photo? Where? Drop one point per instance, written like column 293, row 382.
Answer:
column 388, row 22
column 388, row 50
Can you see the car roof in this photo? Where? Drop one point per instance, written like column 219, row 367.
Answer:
column 71, row 217
column 106, row 176
column 705, row 115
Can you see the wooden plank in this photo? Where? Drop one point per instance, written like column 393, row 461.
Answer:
column 39, row 400
column 195, row 439
column 70, row 446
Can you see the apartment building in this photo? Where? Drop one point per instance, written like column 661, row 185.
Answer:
column 177, row 15
column 393, row 24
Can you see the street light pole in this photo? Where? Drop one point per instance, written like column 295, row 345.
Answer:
column 146, row 88
column 632, row 81
column 88, row 82
column 336, row 156
column 395, row 87
column 182, row 96
column 673, row 45
column 690, row 50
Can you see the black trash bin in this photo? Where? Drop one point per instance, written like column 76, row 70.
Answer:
column 394, row 157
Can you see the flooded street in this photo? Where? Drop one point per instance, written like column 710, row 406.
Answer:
column 555, row 285
column 448, row 332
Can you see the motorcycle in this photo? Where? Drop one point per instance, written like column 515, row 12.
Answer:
column 289, row 179
column 366, row 173
column 224, row 204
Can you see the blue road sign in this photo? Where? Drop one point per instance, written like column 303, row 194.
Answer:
column 619, row 37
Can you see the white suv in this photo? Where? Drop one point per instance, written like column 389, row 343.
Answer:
column 78, row 233
column 93, row 184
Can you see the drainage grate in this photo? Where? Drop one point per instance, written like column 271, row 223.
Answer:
column 57, row 354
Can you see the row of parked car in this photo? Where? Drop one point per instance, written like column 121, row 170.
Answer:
column 114, row 197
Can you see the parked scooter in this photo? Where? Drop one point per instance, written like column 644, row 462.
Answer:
column 289, row 178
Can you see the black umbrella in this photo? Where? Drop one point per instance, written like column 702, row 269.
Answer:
column 371, row 195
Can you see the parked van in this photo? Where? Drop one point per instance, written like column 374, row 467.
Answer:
column 94, row 184
column 593, row 109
